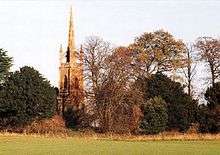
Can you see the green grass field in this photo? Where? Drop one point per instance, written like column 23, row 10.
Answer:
column 31, row 145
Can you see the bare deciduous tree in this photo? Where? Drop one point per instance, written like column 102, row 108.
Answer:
column 96, row 51
column 189, row 70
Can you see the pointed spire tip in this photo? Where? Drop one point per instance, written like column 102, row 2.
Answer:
column 71, row 39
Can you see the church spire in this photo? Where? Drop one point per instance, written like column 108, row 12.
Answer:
column 71, row 39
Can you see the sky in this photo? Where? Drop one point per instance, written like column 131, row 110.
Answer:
column 32, row 31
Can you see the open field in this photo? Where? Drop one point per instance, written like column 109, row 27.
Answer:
column 37, row 145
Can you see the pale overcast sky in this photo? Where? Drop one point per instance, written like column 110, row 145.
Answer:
column 32, row 31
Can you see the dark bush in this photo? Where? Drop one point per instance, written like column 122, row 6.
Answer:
column 212, row 96
column 209, row 115
column 209, row 120
column 76, row 117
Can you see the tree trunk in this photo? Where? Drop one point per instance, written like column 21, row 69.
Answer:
column 212, row 74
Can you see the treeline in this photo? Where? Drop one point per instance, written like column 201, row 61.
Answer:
column 146, row 87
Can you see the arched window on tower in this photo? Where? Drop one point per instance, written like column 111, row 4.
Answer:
column 76, row 83
column 65, row 82
column 68, row 55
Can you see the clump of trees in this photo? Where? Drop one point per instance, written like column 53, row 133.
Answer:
column 209, row 113
column 180, row 106
column 118, row 80
column 131, row 86
column 127, row 89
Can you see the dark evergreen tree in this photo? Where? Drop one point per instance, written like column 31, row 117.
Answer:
column 209, row 115
column 26, row 96
column 181, row 107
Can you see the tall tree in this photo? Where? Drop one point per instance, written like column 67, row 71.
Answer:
column 5, row 64
column 118, row 101
column 210, row 53
column 157, row 51
column 96, row 50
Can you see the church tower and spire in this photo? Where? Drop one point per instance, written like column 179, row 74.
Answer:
column 71, row 73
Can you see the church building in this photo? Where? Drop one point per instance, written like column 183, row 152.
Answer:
column 70, row 73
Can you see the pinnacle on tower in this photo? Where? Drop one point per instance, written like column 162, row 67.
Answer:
column 62, row 60
column 71, row 39
column 81, row 54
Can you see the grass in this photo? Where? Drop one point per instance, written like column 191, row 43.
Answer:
column 40, row 145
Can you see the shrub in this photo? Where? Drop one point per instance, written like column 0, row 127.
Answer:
column 72, row 117
column 53, row 125
column 155, row 116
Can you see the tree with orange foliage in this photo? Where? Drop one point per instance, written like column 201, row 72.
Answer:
column 118, row 95
column 157, row 51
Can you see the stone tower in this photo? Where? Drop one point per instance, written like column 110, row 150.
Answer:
column 71, row 73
